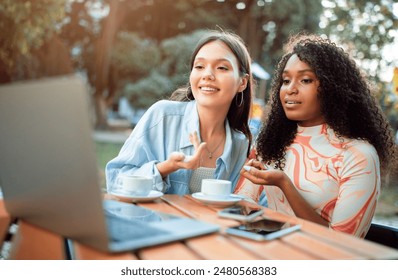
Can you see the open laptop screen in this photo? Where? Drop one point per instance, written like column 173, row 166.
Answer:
column 48, row 170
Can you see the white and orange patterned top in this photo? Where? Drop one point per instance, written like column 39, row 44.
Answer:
column 338, row 177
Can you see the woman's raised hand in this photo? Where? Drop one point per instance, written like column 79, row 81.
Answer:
column 258, row 173
column 186, row 161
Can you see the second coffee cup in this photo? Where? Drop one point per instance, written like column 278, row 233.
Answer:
column 134, row 184
column 216, row 187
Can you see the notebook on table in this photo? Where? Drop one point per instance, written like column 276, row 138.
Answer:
column 49, row 176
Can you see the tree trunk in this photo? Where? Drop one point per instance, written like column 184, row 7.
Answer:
column 102, row 95
column 249, row 29
column 54, row 58
column 101, row 108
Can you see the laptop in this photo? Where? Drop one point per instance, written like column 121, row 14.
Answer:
column 49, row 176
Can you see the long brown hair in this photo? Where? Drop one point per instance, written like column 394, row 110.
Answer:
column 238, row 115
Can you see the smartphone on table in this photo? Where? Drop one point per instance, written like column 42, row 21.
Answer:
column 241, row 212
column 263, row 229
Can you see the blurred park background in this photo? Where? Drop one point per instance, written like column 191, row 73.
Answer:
column 135, row 52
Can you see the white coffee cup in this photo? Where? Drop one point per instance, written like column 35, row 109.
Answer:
column 216, row 187
column 134, row 184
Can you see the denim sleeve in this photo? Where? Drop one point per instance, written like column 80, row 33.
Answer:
column 133, row 159
column 141, row 152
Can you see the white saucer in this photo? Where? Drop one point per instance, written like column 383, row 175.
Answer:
column 132, row 198
column 218, row 201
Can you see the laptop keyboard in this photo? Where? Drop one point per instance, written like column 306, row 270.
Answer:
column 121, row 228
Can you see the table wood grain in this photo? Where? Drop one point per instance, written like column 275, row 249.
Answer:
column 312, row 242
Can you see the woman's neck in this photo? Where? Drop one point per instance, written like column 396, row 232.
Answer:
column 212, row 131
column 211, row 124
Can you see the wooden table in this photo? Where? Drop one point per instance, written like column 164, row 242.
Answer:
column 311, row 242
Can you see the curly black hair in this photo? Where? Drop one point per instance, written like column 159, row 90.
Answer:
column 347, row 102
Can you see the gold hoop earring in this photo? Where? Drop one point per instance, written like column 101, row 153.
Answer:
column 239, row 104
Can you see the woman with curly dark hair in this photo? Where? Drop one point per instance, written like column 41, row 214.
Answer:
column 324, row 142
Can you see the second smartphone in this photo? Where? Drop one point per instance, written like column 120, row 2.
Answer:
column 241, row 213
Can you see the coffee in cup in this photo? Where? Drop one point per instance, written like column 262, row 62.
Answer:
column 134, row 184
column 216, row 187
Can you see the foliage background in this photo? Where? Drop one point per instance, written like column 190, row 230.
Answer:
column 140, row 48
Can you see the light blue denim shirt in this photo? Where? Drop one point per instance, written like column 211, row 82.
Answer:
column 163, row 129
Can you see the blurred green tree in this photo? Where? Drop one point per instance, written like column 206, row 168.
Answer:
column 133, row 56
column 29, row 39
column 152, row 71
column 363, row 27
